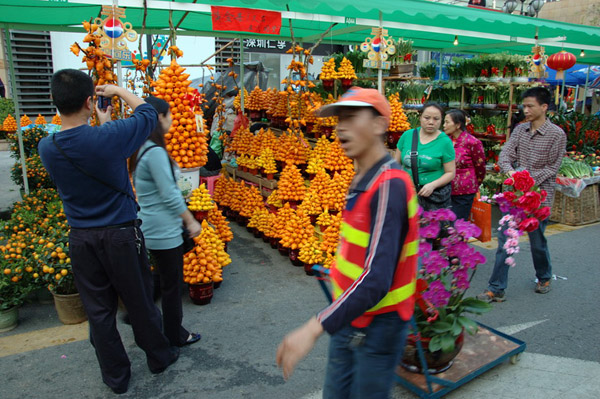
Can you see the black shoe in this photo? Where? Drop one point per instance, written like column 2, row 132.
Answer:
column 119, row 391
column 175, row 352
column 192, row 339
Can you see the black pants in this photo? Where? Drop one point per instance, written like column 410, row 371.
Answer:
column 462, row 204
column 107, row 265
column 170, row 268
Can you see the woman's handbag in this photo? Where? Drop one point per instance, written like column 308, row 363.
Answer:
column 440, row 197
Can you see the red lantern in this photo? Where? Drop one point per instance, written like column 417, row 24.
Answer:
column 560, row 62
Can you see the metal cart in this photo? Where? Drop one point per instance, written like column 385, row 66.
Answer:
column 480, row 352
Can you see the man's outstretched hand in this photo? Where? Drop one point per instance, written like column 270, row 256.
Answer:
column 296, row 345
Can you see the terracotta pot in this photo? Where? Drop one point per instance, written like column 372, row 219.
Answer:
column 201, row 294
column 270, row 176
column 437, row 362
column 69, row 308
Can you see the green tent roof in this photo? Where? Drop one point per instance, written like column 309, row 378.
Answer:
column 432, row 26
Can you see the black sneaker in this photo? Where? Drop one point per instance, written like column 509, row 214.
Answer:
column 490, row 296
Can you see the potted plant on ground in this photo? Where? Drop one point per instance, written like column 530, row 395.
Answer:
column 13, row 291
column 444, row 276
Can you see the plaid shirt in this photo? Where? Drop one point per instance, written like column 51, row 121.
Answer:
column 539, row 152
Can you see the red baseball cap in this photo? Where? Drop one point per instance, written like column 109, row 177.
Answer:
column 359, row 97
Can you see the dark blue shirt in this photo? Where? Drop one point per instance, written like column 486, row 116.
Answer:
column 101, row 151
column 389, row 222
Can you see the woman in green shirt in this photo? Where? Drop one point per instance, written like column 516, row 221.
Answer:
column 436, row 167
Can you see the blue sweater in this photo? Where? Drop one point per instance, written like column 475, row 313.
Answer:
column 160, row 199
column 102, row 151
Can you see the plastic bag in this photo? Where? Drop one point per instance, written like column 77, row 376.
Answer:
column 241, row 122
column 481, row 216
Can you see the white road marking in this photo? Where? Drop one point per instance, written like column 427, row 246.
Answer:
column 511, row 330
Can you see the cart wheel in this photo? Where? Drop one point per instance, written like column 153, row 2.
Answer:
column 514, row 359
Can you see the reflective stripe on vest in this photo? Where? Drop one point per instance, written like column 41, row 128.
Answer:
column 391, row 298
column 354, row 236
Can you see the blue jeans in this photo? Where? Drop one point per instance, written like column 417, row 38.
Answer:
column 365, row 370
column 539, row 252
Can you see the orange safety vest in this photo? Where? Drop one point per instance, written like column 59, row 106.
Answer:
column 352, row 251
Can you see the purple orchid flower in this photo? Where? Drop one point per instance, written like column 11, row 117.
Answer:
column 434, row 262
column 430, row 231
column 437, row 294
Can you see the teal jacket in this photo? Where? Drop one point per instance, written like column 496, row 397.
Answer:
column 160, row 199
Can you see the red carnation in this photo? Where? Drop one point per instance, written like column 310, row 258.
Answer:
column 523, row 181
column 529, row 225
column 509, row 196
column 530, row 201
column 543, row 213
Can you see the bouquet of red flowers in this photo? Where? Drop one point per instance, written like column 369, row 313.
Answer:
column 522, row 206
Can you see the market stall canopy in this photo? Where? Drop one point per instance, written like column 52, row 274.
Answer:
column 432, row 26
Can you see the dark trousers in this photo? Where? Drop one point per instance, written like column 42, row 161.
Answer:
column 106, row 265
column 365, row 370
column 170, row 268
column 461, row 205
column 539, row 253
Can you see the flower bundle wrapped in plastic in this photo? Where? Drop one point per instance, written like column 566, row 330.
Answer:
column 522, row 207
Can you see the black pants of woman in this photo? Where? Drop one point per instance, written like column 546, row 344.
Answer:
column 461, row 205
column 170, row 268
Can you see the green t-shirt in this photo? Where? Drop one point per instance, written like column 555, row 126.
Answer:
column 432, row 156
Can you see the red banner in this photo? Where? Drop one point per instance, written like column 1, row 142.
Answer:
column 246, row 20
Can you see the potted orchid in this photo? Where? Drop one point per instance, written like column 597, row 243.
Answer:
column 448, row 265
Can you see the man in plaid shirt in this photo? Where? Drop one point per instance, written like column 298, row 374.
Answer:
column 538, row 146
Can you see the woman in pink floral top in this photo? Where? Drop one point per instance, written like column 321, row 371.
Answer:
column 470, row 163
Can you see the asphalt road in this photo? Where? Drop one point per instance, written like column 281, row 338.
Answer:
column 263, row 297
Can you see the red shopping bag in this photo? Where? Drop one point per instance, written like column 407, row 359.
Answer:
column 481, row 216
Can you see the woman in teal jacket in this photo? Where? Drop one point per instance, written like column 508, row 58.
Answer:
column 162, row 211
